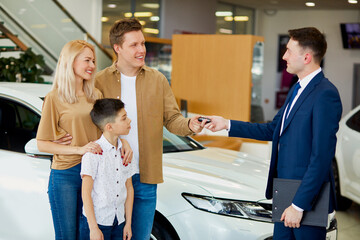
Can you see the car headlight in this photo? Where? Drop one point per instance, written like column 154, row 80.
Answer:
column 235, row 208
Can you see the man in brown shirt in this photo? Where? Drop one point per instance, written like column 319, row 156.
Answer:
column 150, row 104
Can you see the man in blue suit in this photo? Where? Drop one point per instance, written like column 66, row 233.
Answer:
column 303, row 133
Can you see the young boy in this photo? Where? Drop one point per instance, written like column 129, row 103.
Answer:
column 107, row 189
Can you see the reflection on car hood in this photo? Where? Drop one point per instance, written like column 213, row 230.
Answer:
column 222, row 173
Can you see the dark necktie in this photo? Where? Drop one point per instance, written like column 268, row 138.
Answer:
column 296, row 89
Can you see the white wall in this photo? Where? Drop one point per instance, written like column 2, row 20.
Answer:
column 197, row 16
column 88, row 13
column 338, row 64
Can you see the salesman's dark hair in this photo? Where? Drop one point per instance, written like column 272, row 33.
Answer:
column 105, row 110
column 311, row 38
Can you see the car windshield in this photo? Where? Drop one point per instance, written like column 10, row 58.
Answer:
column 175, row 143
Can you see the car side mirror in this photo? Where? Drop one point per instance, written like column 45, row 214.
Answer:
column 32, row 150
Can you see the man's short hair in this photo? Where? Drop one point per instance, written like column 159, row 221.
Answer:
column 120, row 27
column 105, row 111
column 311, row 38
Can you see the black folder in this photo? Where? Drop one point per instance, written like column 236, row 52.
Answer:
column 284, row 191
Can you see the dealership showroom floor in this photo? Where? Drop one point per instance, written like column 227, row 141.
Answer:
column 348, row 223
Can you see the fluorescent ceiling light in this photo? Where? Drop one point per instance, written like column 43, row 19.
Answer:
column 38, row 26
column 151, row 30
column 226, row 31
column 104, row 19
column 223, row 13
column 154, row 18
column 138, row 14
column 237, row 19
column 151, row 5
column 111, row 5
column 142, row 23
column 353, row 1
column 241, row 18
column 66, row 20
column 310, row 4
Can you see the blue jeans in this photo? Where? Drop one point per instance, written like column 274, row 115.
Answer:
column 114, row 232
column 65, row 200
column 143, row 209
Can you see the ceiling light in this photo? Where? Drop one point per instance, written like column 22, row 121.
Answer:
column 139, row 14
column 154, row 18
column 111, row 5
column 223, row 13
column 228, row 19
column 353, row 1
column 142, row 23
column 65, row 20
column 226, row 31
column 241, row 18
column 151, row 30
column 151, row 5
column 104, row 19
column 39, row 26
column 310, row 4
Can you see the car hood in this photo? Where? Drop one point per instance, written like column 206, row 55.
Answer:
column 222, row 173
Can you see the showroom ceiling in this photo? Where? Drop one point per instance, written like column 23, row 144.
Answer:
column 295, row 4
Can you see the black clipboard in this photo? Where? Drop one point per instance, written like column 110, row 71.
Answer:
column 284, row 191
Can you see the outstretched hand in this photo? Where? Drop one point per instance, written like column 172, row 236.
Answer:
column 195, row 125
column 217, row 123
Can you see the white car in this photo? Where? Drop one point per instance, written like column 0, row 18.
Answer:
column 208, row 193
column 347, row 160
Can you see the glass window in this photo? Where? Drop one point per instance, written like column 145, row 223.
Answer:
column 18, row 125
column 148, row 13
column 232, row 19
column 354, row 122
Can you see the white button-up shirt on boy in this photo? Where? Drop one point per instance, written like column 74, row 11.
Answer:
column 109, row 175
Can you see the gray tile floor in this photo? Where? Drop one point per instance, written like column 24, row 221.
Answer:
column 349, row 223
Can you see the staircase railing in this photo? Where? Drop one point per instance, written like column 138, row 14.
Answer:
column 47, row 26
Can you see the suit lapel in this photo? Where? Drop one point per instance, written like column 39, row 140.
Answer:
column 309, row 88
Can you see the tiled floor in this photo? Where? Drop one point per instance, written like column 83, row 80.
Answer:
column 349, row 223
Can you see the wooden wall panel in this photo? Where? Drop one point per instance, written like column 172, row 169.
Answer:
column 213, row 73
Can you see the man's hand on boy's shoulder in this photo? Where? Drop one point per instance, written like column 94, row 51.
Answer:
column 126, row 152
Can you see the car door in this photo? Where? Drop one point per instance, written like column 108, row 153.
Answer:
column 18, row 124
column 350, row 139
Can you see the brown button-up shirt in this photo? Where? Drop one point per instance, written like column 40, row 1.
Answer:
column 156, row 107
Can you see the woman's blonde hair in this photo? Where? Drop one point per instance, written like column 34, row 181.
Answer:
column 64, row 81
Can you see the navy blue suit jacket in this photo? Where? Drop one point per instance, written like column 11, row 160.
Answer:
column 306, row 147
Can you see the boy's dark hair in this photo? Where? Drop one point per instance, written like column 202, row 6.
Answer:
column 105, row 110
column 311, row 38
column 120, row 27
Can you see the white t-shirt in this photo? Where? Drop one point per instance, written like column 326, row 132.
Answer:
column 109, row 175
column 128, row 96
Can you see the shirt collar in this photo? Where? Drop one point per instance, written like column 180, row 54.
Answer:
column 113, row 68
column 306, row 80
column 106, row 145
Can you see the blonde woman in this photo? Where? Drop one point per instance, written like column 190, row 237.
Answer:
column 66, row 111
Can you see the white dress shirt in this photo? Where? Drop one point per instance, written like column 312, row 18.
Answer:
column 303, row 83
column 109, row 175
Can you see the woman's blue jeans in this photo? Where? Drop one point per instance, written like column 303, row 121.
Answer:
column 65, row 200
column 143, row 208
